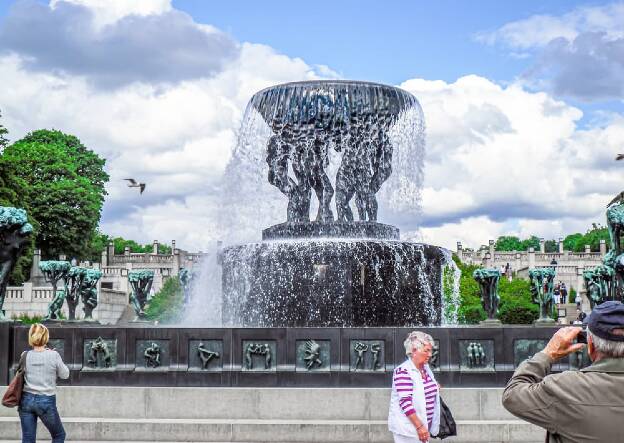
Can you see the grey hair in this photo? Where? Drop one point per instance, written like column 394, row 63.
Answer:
column 610, row 348
column 418, row 340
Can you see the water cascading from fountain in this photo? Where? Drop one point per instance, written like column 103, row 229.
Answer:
column 347, row 143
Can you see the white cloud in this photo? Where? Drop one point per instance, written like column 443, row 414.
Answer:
column 539, row 30
column 107, row 12
column 499, row 159
column 504, row 159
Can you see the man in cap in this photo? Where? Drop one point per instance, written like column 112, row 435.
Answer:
column 575, row 406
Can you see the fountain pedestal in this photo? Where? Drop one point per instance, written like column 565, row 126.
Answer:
column 332, row 283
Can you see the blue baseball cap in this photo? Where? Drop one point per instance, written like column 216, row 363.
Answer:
column 605, row 318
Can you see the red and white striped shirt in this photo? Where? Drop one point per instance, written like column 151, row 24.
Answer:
column 431, row 392
column 404, row 387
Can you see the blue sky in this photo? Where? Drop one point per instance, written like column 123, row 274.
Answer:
column 524, row 101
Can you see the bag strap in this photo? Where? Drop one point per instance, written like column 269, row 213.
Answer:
column 21, row 366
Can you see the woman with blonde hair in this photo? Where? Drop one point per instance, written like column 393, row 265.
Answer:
column 43, row 366
column 415, row 401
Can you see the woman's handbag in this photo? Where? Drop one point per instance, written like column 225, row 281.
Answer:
column 448, row 428
column 13, row 394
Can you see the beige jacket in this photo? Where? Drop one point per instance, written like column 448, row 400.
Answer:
column 573, row 406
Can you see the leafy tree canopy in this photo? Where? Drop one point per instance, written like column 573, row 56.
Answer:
column 508, row 243
column 61, row 185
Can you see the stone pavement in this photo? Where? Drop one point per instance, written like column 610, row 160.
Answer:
column 258, row 415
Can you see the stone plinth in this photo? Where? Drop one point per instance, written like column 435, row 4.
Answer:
column 359, row 229
column 332, row 283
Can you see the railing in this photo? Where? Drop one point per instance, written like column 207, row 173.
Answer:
column 142, row 258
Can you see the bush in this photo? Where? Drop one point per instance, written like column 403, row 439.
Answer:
column 518, row 313
column 26, row 319
column 572, row 296
column 166, row 305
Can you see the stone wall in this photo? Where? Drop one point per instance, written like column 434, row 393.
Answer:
column 276, row 357
column 34, row 301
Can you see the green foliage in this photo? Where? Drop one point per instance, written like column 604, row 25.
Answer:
column 515, row 305
column 470, row 309
column 508, row 243
column 551, row 246
column 572, row 295
column 26, row 319
column 576, row 242
column 61, row 186
column 120, row 245
column 167, row 305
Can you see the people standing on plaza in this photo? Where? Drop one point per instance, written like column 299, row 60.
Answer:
column 415, row 400
column 557, row 292
column 578, row 300
column 43, row 367
column 564, row 293
column 575, row 406
column 508, row 271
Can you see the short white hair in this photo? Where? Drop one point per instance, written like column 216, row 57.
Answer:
column 610, row 348
column 417, row 340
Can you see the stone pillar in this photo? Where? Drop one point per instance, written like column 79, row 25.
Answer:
column 492, row 248
column 518, row 262
column 104, row 259
column 587, row 249
column 542, row 245
column 127, row 250
column 36, row 276
column 155, row 247
column 460, row 251
column 560, row 244
column 176, row 260
column 173, row 247
column 487, row 262
column 531, row 258
column 27, row 292
column 110, row 251
column 580, row 288
column 603, row 247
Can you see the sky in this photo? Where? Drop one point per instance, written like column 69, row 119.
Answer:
column 523, row 101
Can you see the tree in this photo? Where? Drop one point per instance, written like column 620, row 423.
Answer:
column 533, row 242
column 508, row 243
column 551, row 246
column 570, row 242
column 63, row 190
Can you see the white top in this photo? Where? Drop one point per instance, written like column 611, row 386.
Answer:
column 398, row 422
column 42, row 369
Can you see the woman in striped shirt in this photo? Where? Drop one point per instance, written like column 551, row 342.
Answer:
column 415, row 401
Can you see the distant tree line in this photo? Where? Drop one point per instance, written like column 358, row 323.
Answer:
column 573, row 242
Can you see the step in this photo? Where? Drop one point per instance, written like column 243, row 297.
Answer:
column 261, row 431
column 260, row 403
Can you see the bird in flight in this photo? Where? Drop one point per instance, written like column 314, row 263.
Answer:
column 133, row 184
column 620, row 197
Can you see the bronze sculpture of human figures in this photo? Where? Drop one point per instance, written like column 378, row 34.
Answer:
column 88, row 292
column 312, row 354
column 258, row 349
column 205, row 355
column 542, row 287
column 359, row 348
column 141, row 283
column 375, row 351
column 476, row 355
column 152, row 355
column 15, row 232
column 488, row 283
column 55, row 307
column 99, row 346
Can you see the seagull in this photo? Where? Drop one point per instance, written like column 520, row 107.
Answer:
column 619, row 157
column 134, row 184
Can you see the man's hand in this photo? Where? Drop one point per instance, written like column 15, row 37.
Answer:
column 561, row 344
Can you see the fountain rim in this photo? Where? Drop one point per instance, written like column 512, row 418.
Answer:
column 333, row 82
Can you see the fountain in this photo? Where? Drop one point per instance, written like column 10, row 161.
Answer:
column 341, row 140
